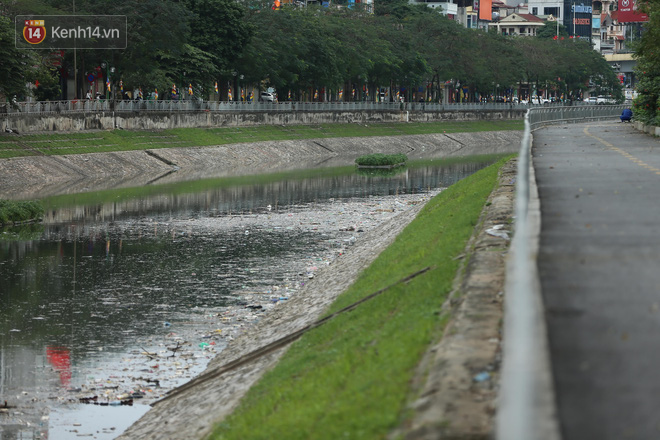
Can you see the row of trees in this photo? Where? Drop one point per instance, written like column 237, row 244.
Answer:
column 302, row 50
column 647, row 104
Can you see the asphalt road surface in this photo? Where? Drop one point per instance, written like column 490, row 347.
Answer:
column 599, row 267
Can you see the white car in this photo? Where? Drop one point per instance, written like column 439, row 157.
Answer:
column 268, row 97
column 591, row 100
column 605, row 100
column 539, row 100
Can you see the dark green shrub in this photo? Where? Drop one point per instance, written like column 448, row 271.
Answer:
column 379, row 159
column 19, row 211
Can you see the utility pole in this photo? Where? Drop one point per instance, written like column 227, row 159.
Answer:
column 573, row 20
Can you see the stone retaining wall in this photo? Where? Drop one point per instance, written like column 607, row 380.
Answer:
column 45, row 122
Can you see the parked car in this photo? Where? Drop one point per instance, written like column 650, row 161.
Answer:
column 540, row 100
column 591, row 100
column 605, row 100
column 268, row 97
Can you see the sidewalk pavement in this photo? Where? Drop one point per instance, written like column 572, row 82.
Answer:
column 599, row 268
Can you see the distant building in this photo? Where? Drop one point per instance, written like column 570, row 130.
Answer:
column 543, row 8
column 518, row 24
column 448, row 8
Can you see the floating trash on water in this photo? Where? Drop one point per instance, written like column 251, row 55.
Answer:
column 166, row 324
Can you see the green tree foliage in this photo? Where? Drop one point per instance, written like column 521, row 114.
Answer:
column 305, row 49
column 15, row 68
column 158, row 31
column 218, row 32
column 49, row 84
column 647, row 50
column 646, row 106
column 399, row 9
column 549, row 31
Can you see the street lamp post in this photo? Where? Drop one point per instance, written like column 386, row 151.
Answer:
column 573, row 19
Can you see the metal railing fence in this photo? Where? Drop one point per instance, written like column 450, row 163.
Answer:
column 88, row 106
column 540, row 117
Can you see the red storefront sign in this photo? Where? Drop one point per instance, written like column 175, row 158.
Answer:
column 628, row 12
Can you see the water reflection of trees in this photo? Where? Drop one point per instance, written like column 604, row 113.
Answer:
column 280, row 195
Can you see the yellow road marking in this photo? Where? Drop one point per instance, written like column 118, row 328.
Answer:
column 621, row 152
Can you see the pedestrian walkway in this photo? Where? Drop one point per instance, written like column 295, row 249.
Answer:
column 599, row 268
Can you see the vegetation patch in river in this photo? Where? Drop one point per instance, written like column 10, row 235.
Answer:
column 379, row 160
column 20, row 211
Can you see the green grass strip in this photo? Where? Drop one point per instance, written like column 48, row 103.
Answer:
column 122, row 140
column 350, row 378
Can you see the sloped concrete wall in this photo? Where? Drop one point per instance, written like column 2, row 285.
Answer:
column 29, row 177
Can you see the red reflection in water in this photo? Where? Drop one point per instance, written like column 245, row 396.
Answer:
column 60, row 358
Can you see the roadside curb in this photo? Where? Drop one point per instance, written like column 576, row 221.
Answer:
column 648, row 129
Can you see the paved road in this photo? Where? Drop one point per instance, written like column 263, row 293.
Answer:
column 599, row 266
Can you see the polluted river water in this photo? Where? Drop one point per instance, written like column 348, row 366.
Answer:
column 108, row 305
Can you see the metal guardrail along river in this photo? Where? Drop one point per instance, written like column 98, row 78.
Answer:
column 189, row 105
column 526, row 406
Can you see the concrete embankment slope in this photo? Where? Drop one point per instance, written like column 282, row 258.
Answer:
column 38, row 176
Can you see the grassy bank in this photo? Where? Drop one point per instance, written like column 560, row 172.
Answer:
column 123, row 140
column 18, row 212
column 350, row 378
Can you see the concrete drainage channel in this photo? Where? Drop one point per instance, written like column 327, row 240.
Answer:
column 457, row 382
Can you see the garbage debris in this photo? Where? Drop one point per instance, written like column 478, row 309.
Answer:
column 497, row 231
column 177, row 342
